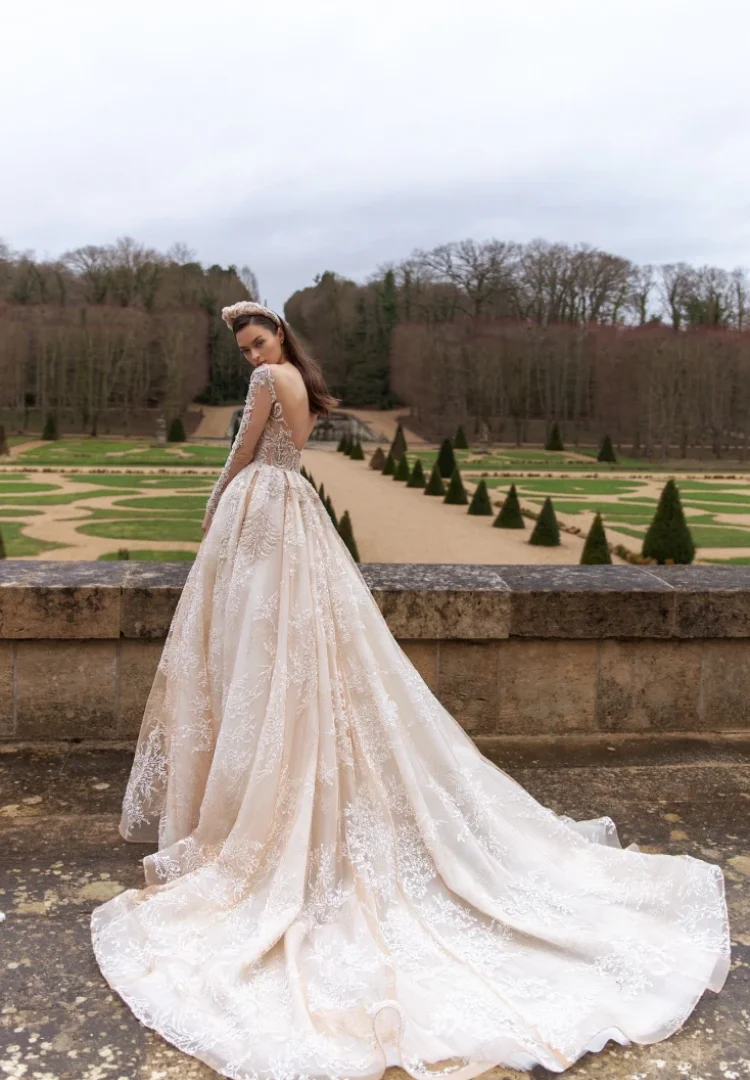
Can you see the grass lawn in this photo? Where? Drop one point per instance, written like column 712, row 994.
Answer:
column 18, row 546
column 129, row 454
column 144, row 529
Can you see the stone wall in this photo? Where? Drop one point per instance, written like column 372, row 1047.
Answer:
column 511, row 651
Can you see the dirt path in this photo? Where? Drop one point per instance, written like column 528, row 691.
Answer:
column 393, row 523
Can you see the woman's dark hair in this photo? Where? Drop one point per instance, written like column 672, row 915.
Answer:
column 321, row 402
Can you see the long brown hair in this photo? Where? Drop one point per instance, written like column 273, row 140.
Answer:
column 321, row 402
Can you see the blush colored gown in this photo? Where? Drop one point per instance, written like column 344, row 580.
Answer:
column 342, row 881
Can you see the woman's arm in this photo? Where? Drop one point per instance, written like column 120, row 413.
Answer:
column 254, row 416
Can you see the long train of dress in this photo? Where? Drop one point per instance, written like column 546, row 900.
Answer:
column 342, row 881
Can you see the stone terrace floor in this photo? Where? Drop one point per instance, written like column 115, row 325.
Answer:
column 61, row 854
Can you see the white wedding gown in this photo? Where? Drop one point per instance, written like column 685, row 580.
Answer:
column 343, row 882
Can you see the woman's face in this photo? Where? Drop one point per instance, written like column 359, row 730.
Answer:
column 260, row 346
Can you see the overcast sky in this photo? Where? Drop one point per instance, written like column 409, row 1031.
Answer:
column 296, row 136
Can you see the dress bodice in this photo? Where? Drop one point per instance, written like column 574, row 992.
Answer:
column 276, row 445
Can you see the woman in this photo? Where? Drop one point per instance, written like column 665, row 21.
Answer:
column 342, row 880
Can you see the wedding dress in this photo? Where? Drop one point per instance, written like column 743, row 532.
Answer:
column 342, row 881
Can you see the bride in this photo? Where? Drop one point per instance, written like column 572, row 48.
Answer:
column 342, row 881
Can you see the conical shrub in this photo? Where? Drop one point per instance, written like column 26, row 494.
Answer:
column 311, row 478
column 668, row 535
column 303, row 471
column 459, row 439
column 50, row 427
column 347, row 535
column 390, row 465
column 357, row 453
column 554, row 442
column 435, row 485
column 176, row 431
column 456, row 494
column 416, row 480
column 123, row 553
column 510, row 516
column 446, row 460
column 331, row 511
column 480, row 501
column 402, row 469
column 322, row 492
column 4, row 448
column 546, row 531
column 377, row 461
column 595, row 549
column 348, row 443
column 342, row 443
column 398, row 446
column 3, row 553
column 606, row 450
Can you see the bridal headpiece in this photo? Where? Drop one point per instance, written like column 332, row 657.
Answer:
column 247, row 307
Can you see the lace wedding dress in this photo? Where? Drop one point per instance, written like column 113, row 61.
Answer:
column 342, row 881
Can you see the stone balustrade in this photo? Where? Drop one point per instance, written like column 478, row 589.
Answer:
column 513, row 652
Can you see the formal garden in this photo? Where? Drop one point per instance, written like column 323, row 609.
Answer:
column 112, row 498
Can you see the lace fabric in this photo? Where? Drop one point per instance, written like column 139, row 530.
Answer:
column 341, row 880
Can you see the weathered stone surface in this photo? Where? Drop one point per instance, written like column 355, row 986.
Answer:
column 138, row 663
column 66, row 689
column 648, row 684
column 7, row 706
column 150, row 594
column 587, row 602
column 467, row 682
column 710, row 601
column 725, row 689
column 59, row 611
column 546, row 686
column 61, row 855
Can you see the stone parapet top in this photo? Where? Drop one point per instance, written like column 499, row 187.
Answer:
column 69, row 600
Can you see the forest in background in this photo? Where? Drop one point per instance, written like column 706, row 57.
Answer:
column 106, row 336
column 514, row 336
column 517, row 336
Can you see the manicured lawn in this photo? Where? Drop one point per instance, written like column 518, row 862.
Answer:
column 18, row 546
column 145, row 529
column 113, row 452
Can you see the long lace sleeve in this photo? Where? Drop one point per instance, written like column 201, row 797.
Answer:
column 260, row 397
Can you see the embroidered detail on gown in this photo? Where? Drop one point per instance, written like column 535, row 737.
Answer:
column 342, row 881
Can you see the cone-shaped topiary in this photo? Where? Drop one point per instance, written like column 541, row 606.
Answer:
column 596, row 549
column 50, row 427
column 342, row 443
column 4, row 448
column 176, row 431
column 456, row 493
column 398, row 446
column 3, row 554
column 322, row 491
column 668, row 535
column 303, row 471
column 390, row 465
column 402, row 469
column 446, row 460
column 311, row 478
column 348, row 443
column 357, row 453
column 123, row 553
column 377, row 461
column 546, row 531
column 416, row 480
column 480, row 501
column 435, row 485
column 606, row 450
column 459, row 439
column 554, row 442
column 510, row 516
column 347, row 535
column 331, row 511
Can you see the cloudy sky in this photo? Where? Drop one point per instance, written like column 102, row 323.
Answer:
column 297, row 136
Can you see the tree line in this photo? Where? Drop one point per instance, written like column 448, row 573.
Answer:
column 114, row 331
